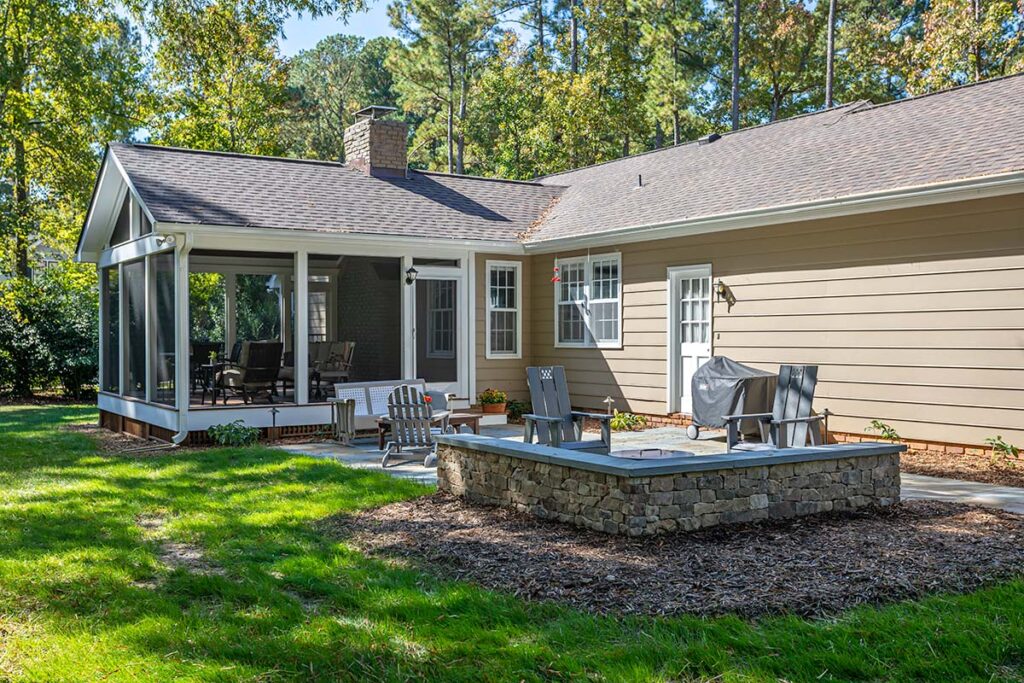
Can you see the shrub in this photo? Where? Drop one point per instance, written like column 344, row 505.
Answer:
column 1002, row 452
column 234, row 434
column 628, row 422
column 516, row 409
column 492, row 396
column 883, row 430
column 48, row 332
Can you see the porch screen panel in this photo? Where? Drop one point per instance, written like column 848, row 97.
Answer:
column 162, row 268
column 111, row 380
column 258, row 308
column 135, row 292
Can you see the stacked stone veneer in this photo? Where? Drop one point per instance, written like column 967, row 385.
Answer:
column 647, row 505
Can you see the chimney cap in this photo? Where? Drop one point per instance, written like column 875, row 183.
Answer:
column 374, row 111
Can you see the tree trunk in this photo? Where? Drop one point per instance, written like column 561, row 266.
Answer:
column 540, row 31
column 975, row 43
column 659, row 135
column 20, row 209
column 451, row 114
column 735, row 64
column 460, row 167
column 574, row 39
column 831, row 56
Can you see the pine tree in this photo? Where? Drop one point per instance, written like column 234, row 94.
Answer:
column 447, row 42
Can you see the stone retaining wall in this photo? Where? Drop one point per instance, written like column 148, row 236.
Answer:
column 646, row 505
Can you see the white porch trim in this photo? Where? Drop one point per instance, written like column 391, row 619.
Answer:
column 301, row 332
column 241, row 239
column 261, row 415
column 150, row 413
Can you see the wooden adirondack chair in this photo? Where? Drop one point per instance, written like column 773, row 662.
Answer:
column 553, row 420
column 413, row 425
column 790, row 424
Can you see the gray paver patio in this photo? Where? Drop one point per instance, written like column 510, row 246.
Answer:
column 363, row 454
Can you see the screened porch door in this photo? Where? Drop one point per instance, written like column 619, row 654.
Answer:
column 437, row 333
column 690, row 292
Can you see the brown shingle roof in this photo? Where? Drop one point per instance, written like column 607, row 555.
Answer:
column 856, row 149
column 213, row 188
column 861, row 148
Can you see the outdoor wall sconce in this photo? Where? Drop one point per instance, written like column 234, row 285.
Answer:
column 723, row 293
column 410, row 275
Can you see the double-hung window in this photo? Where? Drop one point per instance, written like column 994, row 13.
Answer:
column 504, row 303
column 588, row 301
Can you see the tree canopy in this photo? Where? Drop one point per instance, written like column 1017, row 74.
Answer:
column 513, row 88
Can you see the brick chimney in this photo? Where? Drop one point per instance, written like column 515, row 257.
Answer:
column 375, row 145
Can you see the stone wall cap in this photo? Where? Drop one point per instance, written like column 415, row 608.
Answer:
column 607, row 464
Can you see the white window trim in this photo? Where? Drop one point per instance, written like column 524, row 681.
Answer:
column 589, row 342
column 518, row 267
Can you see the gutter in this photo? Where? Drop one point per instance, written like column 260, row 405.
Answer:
column 290, row 237
column 907, row 197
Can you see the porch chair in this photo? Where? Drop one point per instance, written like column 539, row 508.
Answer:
column 553, row 420
column 258, row 366
column 331, row 360
column 334, row 361
column 790, row 424
column 235, row 356
column 412, row 425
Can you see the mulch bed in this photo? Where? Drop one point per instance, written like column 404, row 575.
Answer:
column 811, row 566
column 108, row 441
column 966, row 467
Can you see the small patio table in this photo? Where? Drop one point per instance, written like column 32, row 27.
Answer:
column 209, row 373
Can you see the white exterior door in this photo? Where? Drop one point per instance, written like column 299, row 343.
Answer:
column 437, row 331
column 689, row 331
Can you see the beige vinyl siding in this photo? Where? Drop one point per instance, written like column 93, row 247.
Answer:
column 508, row 374
column 915, row 317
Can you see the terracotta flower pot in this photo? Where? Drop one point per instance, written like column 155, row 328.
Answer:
column 493, row 407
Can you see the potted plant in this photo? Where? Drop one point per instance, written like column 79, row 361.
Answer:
column 492, row 400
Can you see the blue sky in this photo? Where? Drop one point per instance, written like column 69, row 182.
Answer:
column 302, row 33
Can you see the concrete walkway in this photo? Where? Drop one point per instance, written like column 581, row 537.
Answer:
column 923, row 487
column 363, row 454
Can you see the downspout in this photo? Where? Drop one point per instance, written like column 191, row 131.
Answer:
column 183, row 247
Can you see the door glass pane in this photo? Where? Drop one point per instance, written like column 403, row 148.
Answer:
column 436, row 330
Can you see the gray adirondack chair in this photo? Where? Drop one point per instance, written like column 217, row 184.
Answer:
column 790, row 424
column 413, row 425
column 553, row 421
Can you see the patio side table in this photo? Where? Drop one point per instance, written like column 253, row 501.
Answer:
column 471, row 420
column 209, row 374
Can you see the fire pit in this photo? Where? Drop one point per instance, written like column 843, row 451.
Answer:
column 650, row 454
column 643, row 491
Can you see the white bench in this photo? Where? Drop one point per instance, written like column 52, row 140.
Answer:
column 370, row 403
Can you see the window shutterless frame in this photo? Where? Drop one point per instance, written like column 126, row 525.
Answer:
column 499, row 296
column 588, row 302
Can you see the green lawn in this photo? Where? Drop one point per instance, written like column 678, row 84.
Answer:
column 83, row 595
